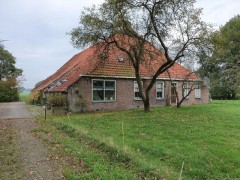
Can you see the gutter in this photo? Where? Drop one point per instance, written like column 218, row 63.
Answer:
column 128, row 77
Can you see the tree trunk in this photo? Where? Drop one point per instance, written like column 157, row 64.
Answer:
column 179, row 104
column 146, row 105
column 146, row 102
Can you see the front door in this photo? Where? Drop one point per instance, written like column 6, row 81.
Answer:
column 174, row 93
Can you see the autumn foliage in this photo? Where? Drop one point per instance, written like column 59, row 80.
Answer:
column 9, row 90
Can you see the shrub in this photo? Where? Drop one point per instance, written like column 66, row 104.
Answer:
column 56, row 99
column 35, row 97
column 9, row 90
column 80, row 102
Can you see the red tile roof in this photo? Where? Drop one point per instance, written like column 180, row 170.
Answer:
column 81, row 63
column 112, row 67
column 89, row 64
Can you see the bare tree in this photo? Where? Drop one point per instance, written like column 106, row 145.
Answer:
column 145, row 30
column 186, row 90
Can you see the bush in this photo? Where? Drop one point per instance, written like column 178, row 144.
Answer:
column 35, row 97
column 9, row 90
column 56, row 99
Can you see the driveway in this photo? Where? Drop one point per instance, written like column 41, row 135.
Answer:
column 14, row 110
column 35, row 163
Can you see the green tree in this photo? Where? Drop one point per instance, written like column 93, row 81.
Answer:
column 7, row 64
column 8, row 76
column 9, row 90
column 222, row 65
column 174, row 28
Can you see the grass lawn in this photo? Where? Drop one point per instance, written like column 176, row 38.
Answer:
column 198, row 142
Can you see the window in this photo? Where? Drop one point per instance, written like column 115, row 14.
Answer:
column 104, row 90
column 136, row 91
column 198, row 91
column 185, row 89
column 160, row 89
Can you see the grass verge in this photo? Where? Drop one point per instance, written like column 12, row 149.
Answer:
column 132, row 144
column 10, row 166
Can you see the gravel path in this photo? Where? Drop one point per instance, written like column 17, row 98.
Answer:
column 13, row 110
column 34, row 155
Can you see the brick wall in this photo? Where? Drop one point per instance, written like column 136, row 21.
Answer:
column 124, row 96
column 191, row 98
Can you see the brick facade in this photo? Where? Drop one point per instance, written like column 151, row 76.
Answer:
column 80, row 95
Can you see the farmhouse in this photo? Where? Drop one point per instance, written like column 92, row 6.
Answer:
column 107, row 81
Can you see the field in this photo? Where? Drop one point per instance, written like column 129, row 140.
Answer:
column 24, row 96
column 193, row 142
column 10, row 166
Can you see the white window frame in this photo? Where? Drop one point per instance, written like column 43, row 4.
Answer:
column 198, row 92
column 134, row 90
column 158, row 82
column 185, row 89
column 104, row 89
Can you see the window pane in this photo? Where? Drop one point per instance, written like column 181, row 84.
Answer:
column 185, row 89
column 103, row 90
column 185, row 92
column 110, row 84
column 185, row 85
column 98, row 95
column 109, row 95
column 98, row 84
column 159, row 89
column 159, row 94
column 136, row 89
column 198, row 91
column 137, row 95
column 159, row 85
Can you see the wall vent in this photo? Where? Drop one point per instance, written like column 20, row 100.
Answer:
column 121, row 59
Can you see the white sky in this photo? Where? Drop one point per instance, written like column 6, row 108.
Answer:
column 36, row 30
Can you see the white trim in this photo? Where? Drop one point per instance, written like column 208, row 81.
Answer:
column 163, row 86
column 104, row 80
column 131, row 77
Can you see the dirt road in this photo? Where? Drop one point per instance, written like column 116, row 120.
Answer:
column 14, row 110
column 34, row 161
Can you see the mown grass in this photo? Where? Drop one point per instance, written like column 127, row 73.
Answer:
column 132, row 144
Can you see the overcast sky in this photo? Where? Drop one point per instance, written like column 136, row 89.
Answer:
column 36, row 30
